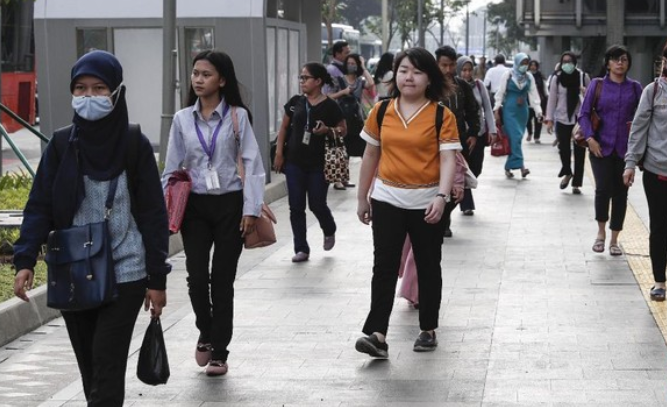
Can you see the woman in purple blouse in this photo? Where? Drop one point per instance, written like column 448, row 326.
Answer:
column 616, row 105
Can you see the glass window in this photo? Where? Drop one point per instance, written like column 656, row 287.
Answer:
column 197, row 39
column 294, row 67
column 282, row 69
column 90, row 39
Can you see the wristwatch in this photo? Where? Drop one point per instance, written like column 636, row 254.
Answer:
column 444, row 197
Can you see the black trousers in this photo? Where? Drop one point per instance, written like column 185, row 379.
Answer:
column 475, row 159
column 538, row 125
column 609, row 188
column 656, row 195
column 390, row 226
column 101, row 342
column 565, row 147
column 213, row 221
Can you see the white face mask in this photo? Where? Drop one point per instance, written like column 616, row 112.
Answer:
column 523, row 68
column 94, row 107
column 568, row 68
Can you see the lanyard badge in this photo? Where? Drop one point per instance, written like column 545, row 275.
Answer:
column 211, row 174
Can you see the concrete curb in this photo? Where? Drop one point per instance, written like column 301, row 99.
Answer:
column 18, row 317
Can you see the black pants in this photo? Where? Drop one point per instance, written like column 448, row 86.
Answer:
column 390, row 226
column 538, row 125
column 609, row 187
column 475, row 160
column 656, row 195
column 565, row 147
column 213, row 221
column 101, row 342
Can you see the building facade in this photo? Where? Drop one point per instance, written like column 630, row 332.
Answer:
column 590, row 26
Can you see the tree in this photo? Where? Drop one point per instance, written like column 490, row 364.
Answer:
column 504, row 14
column 358, row 10
column 331, row 13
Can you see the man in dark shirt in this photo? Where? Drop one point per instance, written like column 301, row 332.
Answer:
column 464, row 106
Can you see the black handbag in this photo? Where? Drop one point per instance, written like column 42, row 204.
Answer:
column 153, row 364
column 80, row 264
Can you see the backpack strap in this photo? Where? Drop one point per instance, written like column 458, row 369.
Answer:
column 382, row 109
column 439, row 118
column 655, row 94
column 598, row 91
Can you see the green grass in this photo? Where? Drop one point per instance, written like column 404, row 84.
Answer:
column 7, row 279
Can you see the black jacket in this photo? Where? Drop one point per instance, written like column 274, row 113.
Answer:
column 466, row 110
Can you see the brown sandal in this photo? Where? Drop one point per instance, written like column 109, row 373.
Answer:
column 598, row 246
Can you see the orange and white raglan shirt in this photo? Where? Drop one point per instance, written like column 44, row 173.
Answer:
column 409, row 169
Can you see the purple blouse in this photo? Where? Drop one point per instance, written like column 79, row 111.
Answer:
column 616, row 107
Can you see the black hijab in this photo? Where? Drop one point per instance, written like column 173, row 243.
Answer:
column 571, row 82
column 96, row 148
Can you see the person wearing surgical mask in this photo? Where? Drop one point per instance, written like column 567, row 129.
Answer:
column 352, row 86
column 70, row 188
column 517, row 90
column 566, row 91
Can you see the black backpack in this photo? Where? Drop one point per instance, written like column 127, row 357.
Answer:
column 439, row 117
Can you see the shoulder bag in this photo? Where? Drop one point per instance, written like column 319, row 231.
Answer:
column 80, row 265
column 596, row 122
column 264, row 233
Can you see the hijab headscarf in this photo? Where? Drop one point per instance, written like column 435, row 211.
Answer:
column 517, row 75
column 460, row 63
column 571, row 82
column 96, row 148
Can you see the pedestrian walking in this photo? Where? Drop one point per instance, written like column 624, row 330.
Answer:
column 461, row 101
column 222, row 208
column 516, row 91
column 533, row 123
column 566, row 89
column 647, row 146
column 79, row 166
column 479, row 71
column 617, row 100
column 411, row 168
column 383, row 74
column 487, row 126
column 494, row 76
column 349, row 98
column 308, row 119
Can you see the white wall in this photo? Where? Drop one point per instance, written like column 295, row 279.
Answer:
column 139, row 51
column 146, row 8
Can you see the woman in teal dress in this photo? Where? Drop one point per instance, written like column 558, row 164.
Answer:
column 516, row 91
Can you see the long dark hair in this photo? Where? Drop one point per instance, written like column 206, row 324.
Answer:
column 225, row 67
column 319, row 71
column 384, row 65
column 425, row 62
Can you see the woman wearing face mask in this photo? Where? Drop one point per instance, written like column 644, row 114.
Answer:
column 533, row 123
column 647, row 143
column 616, row 105
column 464, row 70
column 349, row 98
column 517, row 89
column 566, row 88
column 221, row 208
column 70, row 188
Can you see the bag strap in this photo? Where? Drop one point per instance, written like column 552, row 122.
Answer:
column 439, row 118
column 382, row 109
column 113, row 184
column 237, row 138
column 596, row 96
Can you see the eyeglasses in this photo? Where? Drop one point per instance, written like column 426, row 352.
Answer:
column 621, row 60
column 303, row 78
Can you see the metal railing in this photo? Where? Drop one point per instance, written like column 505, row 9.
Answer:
column 11, row 143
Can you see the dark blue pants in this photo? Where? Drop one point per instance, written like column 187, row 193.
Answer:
column 310, row 183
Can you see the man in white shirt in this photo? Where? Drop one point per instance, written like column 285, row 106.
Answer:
column 494, row 76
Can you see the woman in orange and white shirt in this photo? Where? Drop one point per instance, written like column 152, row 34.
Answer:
column 415, row 172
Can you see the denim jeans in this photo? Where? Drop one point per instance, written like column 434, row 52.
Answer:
column 310, row 183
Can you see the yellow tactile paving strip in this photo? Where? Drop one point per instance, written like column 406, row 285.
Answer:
column 634, row 240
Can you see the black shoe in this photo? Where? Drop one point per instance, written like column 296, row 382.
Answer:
column 448, row 232
column 425, row 342
column 372, row 346
column 468, row 212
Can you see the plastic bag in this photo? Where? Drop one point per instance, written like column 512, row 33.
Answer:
column 153, row 366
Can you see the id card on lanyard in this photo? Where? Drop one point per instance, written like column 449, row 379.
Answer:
column 306, row 132
column 211, row 174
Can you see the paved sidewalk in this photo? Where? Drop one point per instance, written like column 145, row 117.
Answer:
column 530, row 317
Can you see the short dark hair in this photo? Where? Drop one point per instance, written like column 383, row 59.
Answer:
column 357, row 59
column 338, row 47
column 616, row 51
column 319, row 71
column 424, row 61
column 446, row 51
column 500, row 59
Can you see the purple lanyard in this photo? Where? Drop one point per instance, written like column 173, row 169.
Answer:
column 210, row 150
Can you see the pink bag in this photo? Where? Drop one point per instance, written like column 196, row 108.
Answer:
column 176, row 196
column 409, row 289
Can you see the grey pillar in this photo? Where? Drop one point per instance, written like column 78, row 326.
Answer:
column 615, row 22
column 168, row 73
column 312, row 15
